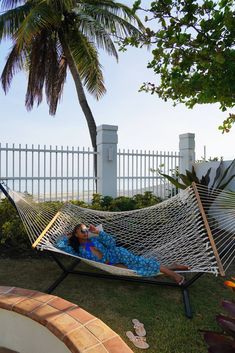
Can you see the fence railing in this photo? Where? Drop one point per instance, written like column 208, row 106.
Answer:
column 58, row 173
column 137, row 172
column 54, row 173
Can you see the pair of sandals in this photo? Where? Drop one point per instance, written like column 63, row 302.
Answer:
column 140, row 340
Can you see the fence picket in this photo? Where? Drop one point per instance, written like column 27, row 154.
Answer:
column 46, row 173
column 49, row 172
column 135, row 175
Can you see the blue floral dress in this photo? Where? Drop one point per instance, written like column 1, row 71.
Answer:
column 113, row 254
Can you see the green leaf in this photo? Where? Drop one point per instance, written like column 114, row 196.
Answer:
column 229, row 307
column 227, row 323
column 225, row 173
column 173, row 181
column 217, row 174
column 185, row 179
column 223, row 186
column 216, row 338
column 205, row 180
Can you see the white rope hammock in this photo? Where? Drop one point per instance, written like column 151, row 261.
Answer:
column 196, row 227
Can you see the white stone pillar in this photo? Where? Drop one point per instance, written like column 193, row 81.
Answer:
column 187, row 152
column 107, row 140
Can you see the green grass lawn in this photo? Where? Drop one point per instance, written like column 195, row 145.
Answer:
column 116, row 303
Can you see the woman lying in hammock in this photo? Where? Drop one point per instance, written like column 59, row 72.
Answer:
column 102, row 248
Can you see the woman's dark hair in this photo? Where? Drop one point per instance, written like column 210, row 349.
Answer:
column 73, row 240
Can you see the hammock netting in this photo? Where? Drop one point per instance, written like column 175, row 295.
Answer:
column 173, row 231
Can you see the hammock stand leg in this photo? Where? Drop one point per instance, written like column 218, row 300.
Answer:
column 185, row 293
column 70, row 270
column 64, row 274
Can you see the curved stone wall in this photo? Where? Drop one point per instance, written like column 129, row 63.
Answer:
column 57, row 324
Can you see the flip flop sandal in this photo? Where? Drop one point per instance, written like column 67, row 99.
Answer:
column 139, row 328
column 139, row 342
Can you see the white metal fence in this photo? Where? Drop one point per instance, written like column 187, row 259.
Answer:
column 54, row 173
column 137, row 172
column 58, row 173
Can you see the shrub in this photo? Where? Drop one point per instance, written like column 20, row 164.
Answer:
column 124, row 203
column 145, row 200
column 12, row 231
column 100, row 202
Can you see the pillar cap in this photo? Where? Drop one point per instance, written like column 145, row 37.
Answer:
column 107, row 134
column 107, row 127
column 187, row 135
column 187, row 141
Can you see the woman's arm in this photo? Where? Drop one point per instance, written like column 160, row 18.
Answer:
column 106, row 239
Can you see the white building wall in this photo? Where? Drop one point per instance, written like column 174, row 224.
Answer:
column 202, row 168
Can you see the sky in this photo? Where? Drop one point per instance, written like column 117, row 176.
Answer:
column 144, row 121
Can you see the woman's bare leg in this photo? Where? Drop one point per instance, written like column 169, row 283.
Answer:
column 167, row 271
column 173, row 275
column 175, row 266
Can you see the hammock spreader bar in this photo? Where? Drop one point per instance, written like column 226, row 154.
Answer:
column 50, row 224
column 207, row 226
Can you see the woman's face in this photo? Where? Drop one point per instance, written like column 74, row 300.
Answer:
column 82, row 232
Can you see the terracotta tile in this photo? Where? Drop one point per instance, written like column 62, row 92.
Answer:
column 100, row 330
column 81, row 315
column 26, row 306
column 79, row 340
column 62, row 304
column 62, row 325
column 22, row 291
column 116, row 345
column 42, row 297
column 7, row 300
column 44, row 314
column 4, row 289
column 97, row 349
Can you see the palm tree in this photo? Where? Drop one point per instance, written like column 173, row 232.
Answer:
column 50, row 36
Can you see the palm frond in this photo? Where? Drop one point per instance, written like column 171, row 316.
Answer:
column 47, row 68
column 85, row 56
column 61, row 78
column 97, row 34
column 56, row 71
column 113, row 22
column 37, row 70
column 116, row 17
column 11, row 20
column 14, row 63
column 62, row 5
column 11, row 4
column 119, row 9
column 40, row 17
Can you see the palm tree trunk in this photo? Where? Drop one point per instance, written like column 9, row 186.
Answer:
column 81, row 97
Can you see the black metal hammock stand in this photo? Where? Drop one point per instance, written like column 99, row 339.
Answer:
column 196, row 227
